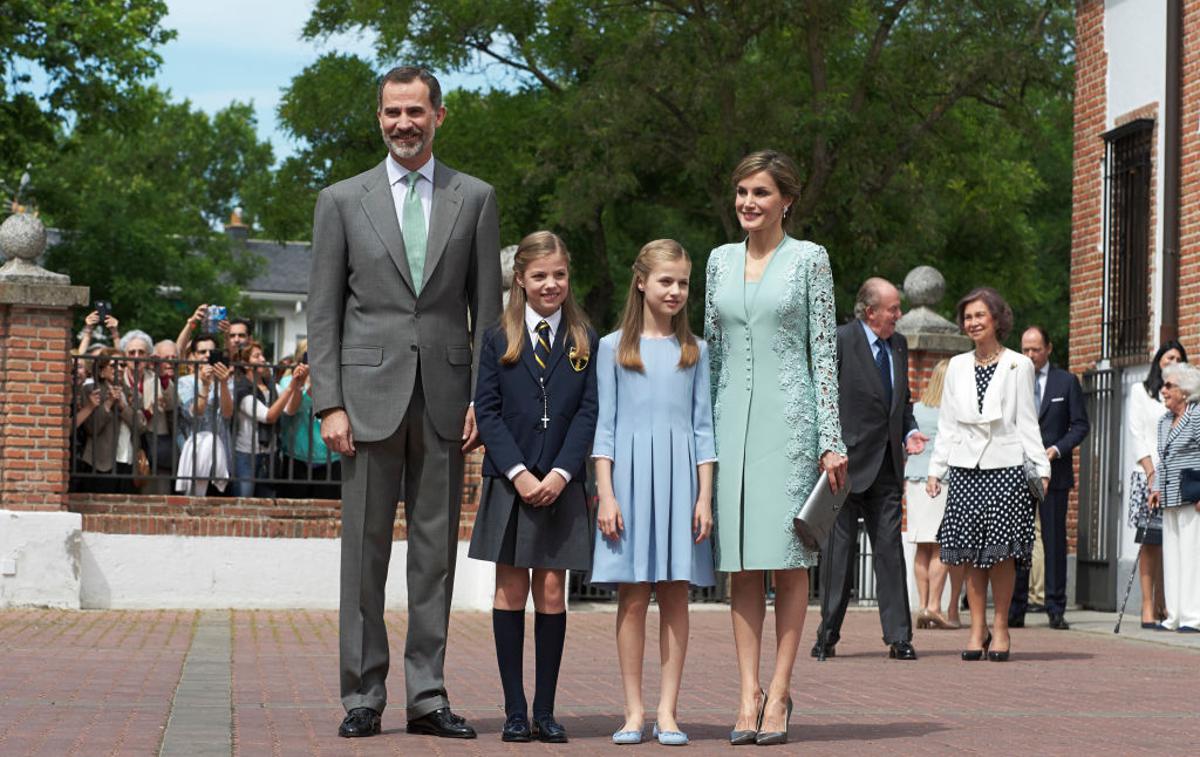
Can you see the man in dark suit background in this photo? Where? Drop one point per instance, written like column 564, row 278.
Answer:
column 1062, row 416
column 405, row 279
column 878, row 428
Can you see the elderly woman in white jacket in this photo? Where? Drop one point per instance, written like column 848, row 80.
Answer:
column 987, row 429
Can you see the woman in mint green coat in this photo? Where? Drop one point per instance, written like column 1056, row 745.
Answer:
column 769, row 322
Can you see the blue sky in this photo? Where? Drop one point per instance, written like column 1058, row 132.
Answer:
column 249, row 50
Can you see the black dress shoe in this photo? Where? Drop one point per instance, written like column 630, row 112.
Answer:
column 1059, row 623
column 516, row 728
column 822, row 650
column 1036, row 608
column 1016, row 622
column 901, row 650
column 547, row 729
column 361, row 721
column 441, row 723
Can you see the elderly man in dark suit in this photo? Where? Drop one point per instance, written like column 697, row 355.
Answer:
column 405, row 279
column 1062, row 416
column 878, row 428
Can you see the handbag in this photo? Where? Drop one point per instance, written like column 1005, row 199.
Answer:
column 1033, row 479
column 1189, row 485
column 819, row 512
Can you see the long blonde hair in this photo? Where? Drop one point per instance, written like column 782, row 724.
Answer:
column 629, row 352
column 533, row 247
column 932, row 395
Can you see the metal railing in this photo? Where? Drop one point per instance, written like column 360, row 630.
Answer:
column 142, row 425
column 1100, row 492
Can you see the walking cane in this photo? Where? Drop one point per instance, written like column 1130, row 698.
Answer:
column 1128, row 588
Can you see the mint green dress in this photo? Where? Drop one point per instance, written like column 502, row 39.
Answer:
column 773, row 360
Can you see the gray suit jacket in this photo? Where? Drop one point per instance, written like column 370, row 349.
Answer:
column 869, row 426
column 367, row 326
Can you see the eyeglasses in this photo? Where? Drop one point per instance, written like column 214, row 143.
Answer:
column 1170, row 385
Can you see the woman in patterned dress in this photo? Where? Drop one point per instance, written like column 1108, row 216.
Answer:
column 987, row 430
column 769, row 323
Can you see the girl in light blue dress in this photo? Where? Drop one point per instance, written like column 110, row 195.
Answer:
column 654, row 457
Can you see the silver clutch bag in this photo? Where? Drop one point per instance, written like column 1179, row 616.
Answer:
column 820, row 511
column 1033, row 479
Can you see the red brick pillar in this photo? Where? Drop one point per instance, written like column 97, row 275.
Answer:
column 35, row 367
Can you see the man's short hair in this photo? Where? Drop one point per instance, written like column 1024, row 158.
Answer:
column 869, row 295
column 1045, row 335
column 406, row 74
column 243, row 322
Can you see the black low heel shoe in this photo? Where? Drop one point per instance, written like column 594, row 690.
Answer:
column 974, row 655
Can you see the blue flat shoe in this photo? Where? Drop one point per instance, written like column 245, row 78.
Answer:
column 1187, row 629
column 670, row 738
column 627, row 737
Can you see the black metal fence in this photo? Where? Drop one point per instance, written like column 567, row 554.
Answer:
column 168, row 426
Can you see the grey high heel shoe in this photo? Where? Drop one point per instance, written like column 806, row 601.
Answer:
column 771, row 738
column 745, row 738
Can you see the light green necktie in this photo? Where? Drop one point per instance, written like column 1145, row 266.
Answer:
column 414, row 231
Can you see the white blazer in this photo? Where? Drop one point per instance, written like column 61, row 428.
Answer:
column 1004, row 433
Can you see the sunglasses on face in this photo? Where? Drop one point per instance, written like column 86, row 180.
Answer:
column 1170, row 385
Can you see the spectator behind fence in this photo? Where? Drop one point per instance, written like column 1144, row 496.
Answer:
column 237, row 337
column 105, row 415
column 258, row 410
column 135, row 345
column 314, row 470
column 1177, row 491
column 925, row 517
column 199, row 320
column 205, row 400
column 159, row 406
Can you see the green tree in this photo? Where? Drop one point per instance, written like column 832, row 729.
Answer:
column 91, row 52
column 136, row 196
column 915, row 123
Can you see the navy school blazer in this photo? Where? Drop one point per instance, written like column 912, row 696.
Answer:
column 509, row 407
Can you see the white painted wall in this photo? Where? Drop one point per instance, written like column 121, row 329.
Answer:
column 40, row 559
column 291, row 310
column 1135, row 39
column 122, row 571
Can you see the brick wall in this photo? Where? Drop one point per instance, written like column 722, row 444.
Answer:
column 1189, row 243
column 34, row 415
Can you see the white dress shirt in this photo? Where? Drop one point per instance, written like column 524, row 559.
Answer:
column 532, row 319
column 397, row 177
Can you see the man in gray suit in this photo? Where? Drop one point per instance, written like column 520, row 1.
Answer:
column 878, row 427
column 405, row 278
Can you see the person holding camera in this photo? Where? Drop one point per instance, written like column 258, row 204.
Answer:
column 259, row 408
column 100, row 317
column 209, row 319
column 105, row 415
column 205, row 400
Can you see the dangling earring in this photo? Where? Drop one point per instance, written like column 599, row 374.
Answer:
column 787, row 210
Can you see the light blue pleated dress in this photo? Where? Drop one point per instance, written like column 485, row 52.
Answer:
column 656, row 427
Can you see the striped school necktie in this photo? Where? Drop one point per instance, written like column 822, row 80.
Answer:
column 541, row 347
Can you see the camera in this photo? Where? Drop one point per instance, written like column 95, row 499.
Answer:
column 103, row 309
column 216, row 314
column 304, row 358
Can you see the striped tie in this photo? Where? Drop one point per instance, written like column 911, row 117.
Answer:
column 541, row 347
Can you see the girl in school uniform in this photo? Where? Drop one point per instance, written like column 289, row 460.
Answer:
column 535, row 404
column 654, row 456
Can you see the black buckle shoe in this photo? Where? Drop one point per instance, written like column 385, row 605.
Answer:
column 361, row 721
column 547, row 729
column 441, row 723
column 516, row 728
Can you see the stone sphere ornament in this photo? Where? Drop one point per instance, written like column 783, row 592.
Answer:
column 924, row 286
column 22, row 241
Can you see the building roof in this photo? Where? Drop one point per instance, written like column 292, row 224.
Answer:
column 285, row 266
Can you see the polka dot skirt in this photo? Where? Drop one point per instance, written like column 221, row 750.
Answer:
column 989, row 513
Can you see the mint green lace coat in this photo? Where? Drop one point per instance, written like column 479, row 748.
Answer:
column 773, row 361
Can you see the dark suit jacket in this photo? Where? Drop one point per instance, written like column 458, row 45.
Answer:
column 869, row 426
column 1064, row 422
column 508, row 408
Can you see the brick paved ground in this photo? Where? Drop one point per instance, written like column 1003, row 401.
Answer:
column 94, row 683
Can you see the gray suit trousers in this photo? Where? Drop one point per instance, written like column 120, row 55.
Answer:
column 431, row 469
column 879, row 507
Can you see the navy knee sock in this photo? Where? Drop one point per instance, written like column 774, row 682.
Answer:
column 549, row 634
column 508, row 626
